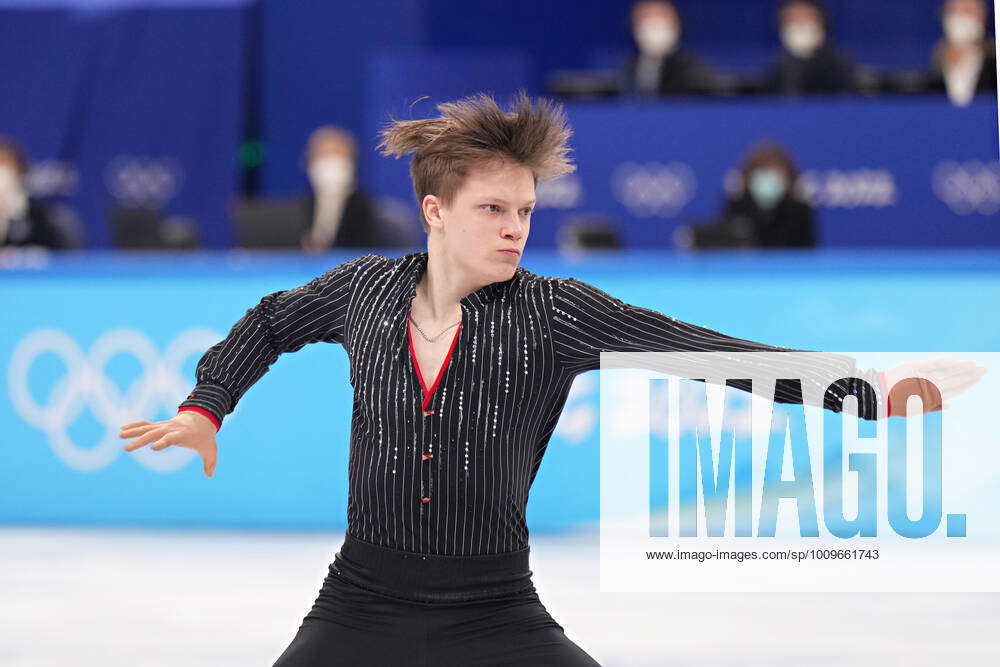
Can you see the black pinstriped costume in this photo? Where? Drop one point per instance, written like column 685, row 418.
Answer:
column 445, row 470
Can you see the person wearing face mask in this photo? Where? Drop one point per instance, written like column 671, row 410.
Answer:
column 337, row 212
column 660, row 66
column 964, row 59
column 24, row 221
column 765, row 202
column 809, row 62
column 762, row 208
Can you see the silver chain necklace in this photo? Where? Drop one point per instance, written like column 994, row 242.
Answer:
column 431, row 340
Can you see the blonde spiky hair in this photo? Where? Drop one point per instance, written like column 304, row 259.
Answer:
column 474, row 131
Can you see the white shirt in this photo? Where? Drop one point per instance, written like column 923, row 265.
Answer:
column 961, row 78
column 328, row 214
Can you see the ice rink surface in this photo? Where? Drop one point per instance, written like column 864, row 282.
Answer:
column 144, row 598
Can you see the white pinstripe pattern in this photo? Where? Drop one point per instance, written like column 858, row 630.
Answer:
column 520, row 345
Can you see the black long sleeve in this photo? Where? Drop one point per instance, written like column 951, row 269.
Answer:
column 446, row 467
column 588, row 320
column 281, row 322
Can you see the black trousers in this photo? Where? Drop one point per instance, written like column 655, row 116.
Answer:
column 379, row 607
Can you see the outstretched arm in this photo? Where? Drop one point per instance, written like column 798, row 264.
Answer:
column 283, row 321
column 587, row 321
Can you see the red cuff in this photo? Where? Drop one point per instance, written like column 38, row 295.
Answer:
column 885, row 392
column 204, row 412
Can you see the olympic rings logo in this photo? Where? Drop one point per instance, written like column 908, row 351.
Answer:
column 139, row 180
column 87, row 385
column 563, row 192
column 654, row 189
column 968, row 187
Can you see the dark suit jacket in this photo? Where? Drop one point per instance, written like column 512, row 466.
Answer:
column 827, row 71
column 790, row 223
column 680, row 74
column 987, row 75
column 359, row 224
column 35, row 228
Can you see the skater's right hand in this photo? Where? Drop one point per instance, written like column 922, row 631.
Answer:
column 185, row 429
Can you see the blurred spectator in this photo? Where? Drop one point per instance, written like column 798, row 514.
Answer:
column 964, row 59
column 339, row 214
column 24, row 220
column 762, row 208
column 661, row 66
column 810, row 62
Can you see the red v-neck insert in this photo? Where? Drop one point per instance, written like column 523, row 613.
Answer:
column 423, row 386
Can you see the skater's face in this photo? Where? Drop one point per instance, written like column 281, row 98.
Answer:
column 483, row 230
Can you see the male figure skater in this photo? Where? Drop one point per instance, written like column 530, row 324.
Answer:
column 461, row 362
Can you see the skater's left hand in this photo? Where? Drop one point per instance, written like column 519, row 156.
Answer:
column 950, row 376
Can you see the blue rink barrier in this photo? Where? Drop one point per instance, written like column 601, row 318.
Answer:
column 91, row 341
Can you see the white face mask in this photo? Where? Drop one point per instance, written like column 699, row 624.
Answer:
column 767, row 187
column 331, row 172
column 962, row 29
column 9, row 182
column 802, row 38
column 13, row 198
column 656, row 38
